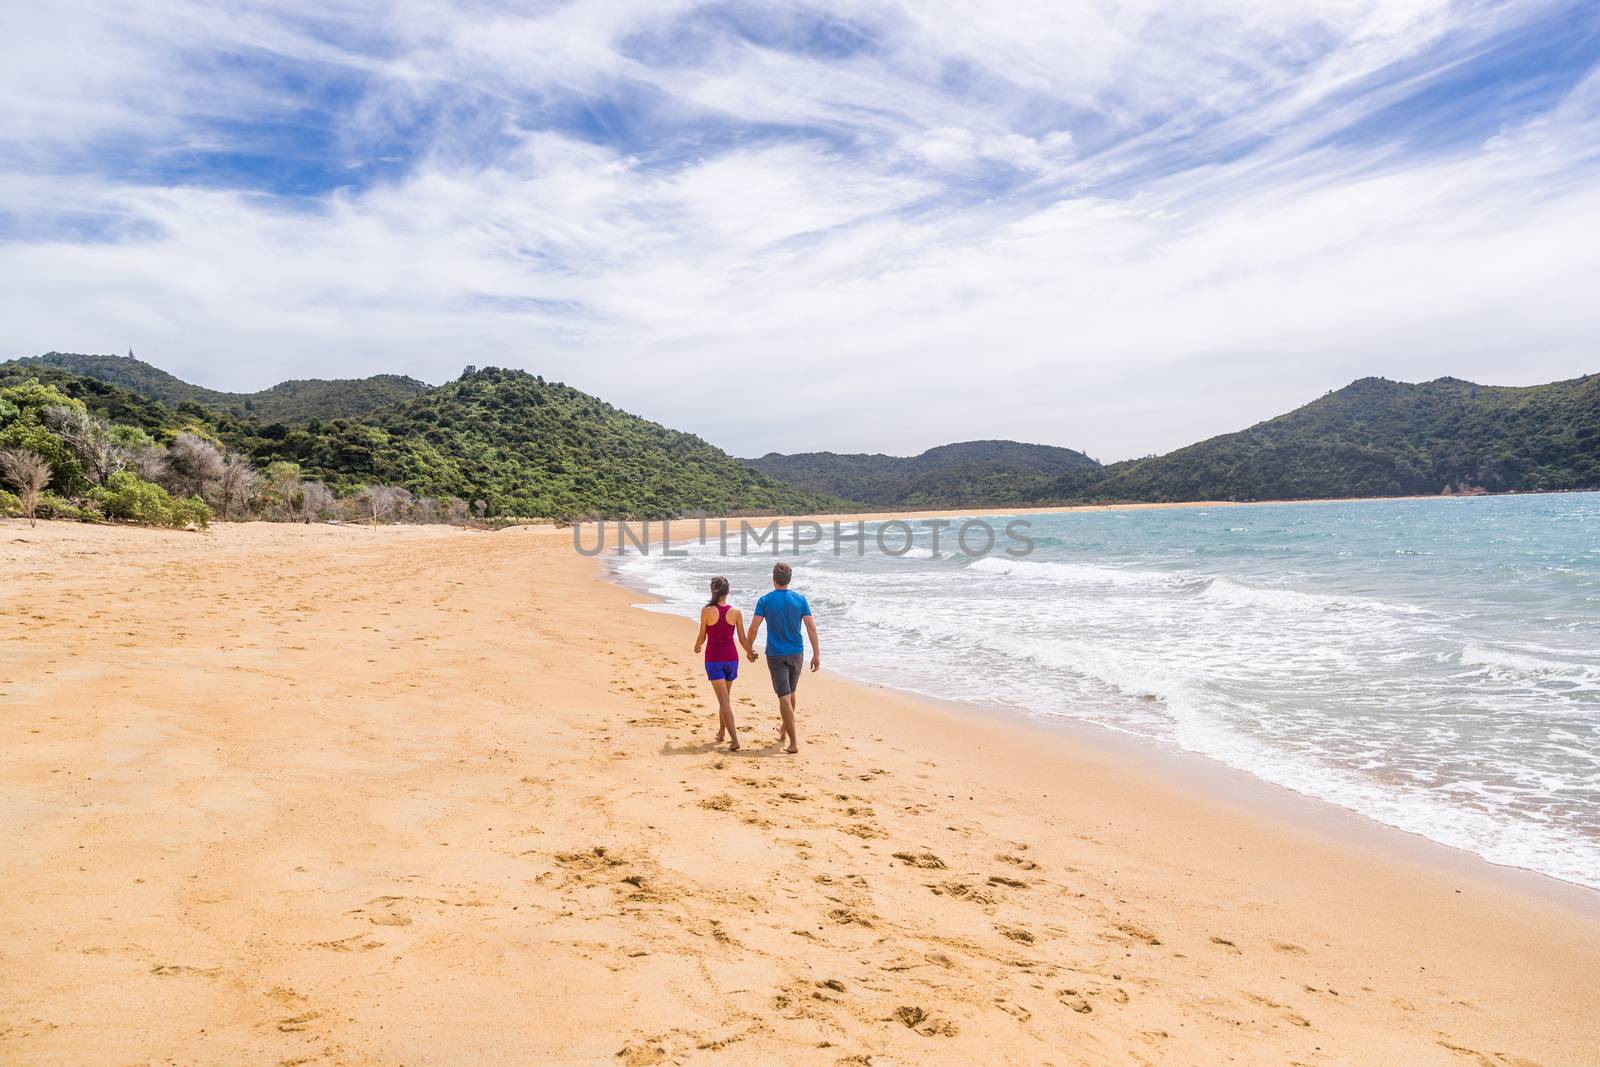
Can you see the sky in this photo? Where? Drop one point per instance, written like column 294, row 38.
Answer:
column 787, row 226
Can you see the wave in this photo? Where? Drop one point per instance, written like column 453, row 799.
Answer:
column 1506, row 664
column 1228, row 591
column 1079, row 573
column 1220, row 589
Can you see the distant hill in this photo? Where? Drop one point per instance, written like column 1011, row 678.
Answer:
column 291, row 401
column 1374, row 437
column 1377, row 437
column 969, row 474
column 526, row 446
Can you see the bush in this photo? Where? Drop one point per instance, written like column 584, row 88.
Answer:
column 130, row 498
column 191, row 510
column 10, row 505
column 52, row 506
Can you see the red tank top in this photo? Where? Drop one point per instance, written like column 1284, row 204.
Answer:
column 719, row 639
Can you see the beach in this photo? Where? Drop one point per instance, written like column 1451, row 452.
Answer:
column 325, row 794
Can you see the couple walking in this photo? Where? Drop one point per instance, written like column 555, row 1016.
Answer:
column 784, row 612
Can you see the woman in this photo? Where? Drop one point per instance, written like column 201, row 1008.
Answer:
column 719, row 625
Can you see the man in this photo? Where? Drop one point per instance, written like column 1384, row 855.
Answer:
column 784, row 611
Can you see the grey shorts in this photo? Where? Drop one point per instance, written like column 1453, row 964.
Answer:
column 785, row 672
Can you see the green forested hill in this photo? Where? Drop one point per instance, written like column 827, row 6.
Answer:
column 525, row 446
column 1376, row 437
column 292, row 401
column 1372, row 438
column 969, row 474
column 531, row 447
column 112, row 402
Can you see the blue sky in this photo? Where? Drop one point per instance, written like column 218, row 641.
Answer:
column 856, row 226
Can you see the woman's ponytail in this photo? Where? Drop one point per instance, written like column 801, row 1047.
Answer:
column 719, row 591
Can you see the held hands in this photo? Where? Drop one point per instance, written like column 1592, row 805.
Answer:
column 751, row 652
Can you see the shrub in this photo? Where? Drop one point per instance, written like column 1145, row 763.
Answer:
column 52, row 506
column 10, row 504
column 191, row 510
column 130, row 498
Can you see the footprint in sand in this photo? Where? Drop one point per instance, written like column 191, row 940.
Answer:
column 179, row 970
column 1074, row 1000
column 926, row 861
column 962, row 891
column 1013, row 1009
column 915, row 1018
column 1139, row 933
column 863, row 831
column 354, row 943
column 1289, row 1014
column 849, row 917
column 641, row 1055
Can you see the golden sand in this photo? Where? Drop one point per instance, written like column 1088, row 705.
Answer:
column 296, row 795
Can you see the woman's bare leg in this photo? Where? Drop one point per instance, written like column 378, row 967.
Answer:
column 725, row 714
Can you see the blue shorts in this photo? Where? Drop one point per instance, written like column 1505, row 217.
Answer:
column 724, row 671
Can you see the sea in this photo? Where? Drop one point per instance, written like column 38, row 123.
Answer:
column 1432, row 664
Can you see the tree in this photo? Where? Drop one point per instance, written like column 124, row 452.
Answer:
column 193, row 465
column 90, row 439
column 283, row 489
column 317, row 502
column 455, row 510
column 400, row 503
column 22, row 426
column 29, row 472
column 376, row 501
column 236, row 484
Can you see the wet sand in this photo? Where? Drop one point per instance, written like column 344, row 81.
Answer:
column 279, row 794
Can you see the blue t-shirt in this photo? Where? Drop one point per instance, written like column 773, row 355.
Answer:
column 783, row 611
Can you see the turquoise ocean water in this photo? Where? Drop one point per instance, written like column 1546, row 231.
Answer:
column 1431, row 664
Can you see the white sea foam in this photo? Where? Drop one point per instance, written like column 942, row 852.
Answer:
column 1512, row 664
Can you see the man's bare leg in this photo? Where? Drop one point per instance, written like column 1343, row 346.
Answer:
column 786, row 709
column 786, row 728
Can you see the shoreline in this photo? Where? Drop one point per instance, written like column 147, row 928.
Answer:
column 1050, row 509
column 1210, row 780
column 332, row 796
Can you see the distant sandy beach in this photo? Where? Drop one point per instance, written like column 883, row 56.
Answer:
column 330, row 795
